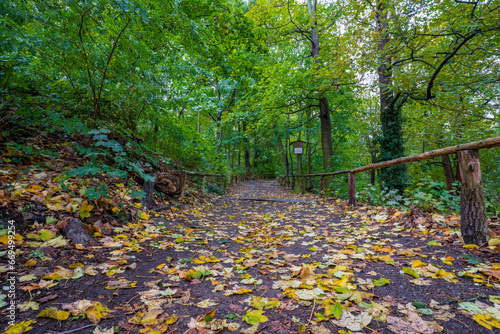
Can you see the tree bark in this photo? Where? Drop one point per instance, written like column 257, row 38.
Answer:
column 372, row 172
column 352, row 189
column 246, row 152
column 182, row 184
column 149, row 201
column 324, row 108
column 391, row 143
column 326, row 133
column 448, row 172
column 284, row 156
column 473, row 221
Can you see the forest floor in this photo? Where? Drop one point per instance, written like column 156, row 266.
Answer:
column 298, row 264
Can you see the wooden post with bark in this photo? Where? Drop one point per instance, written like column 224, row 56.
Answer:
column 473, row 221
column 322, row 186
column 352, row 188
column 182, row 183
column 149, row 200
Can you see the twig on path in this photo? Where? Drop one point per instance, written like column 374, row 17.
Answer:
column 74, row 330
column 171, row 330
column 260, row 330
column 463, row 323
column 131, row 328
column 310, row 317
column 286, row 305
column 130, row 299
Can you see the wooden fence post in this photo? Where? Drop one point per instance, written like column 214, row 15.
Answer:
column 149, row 200
column 182, row 183
column 473, row 221
column 322, row 186
column 204, row 183
column 352, row 188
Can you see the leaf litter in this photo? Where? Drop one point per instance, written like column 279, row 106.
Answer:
column 266, row 267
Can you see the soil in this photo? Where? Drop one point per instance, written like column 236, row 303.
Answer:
column 256, row 238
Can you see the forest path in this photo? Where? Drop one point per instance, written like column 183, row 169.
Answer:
column 274, row 267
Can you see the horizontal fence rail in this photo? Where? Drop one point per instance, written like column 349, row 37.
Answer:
column 472, row 203
column 485, row 143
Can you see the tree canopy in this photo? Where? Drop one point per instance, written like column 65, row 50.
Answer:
column 227, row 85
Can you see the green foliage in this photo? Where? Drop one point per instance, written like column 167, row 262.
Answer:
column 36, row 253
column 426, row 195
column 215, row 188
column 392, row 147
column 225, row 86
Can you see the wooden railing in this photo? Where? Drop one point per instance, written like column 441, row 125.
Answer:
column 471, row 198
column 182, row 181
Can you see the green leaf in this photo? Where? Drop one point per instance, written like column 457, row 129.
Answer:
column 471, row 259
column 51, row 220
column 410, row 271
column 254, row 317
column 381, row 282
column 418, row 305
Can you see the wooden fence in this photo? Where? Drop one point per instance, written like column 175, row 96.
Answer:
column 472, row 205
column 182, row 180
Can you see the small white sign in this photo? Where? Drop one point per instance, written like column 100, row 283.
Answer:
column 297, row 150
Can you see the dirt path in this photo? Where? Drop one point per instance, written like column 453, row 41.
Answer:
column 281, row 265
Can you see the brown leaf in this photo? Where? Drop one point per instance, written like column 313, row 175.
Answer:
column 48, row 298
column 62, row 223
column 236, row 308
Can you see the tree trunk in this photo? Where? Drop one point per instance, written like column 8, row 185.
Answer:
column 391, row 143
column 255, row 153
column 233, row 152
column 284, row 156
column 324, row 108
column 198, row 127
column 473, row 221
column 326, row 133
column 448, row 172
column 372, row 172
column 246, row 152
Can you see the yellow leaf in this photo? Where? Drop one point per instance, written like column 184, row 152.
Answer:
column 170, row 320
column 471, row 246
column 87, row 208
column 6, row 237
column 418, row 264
column 46, row 235
column 97, row 312
column 30, row 262
column 494, row 242
column 254, row 317
column 54, row 313
column 20, row 328
column 84, row 214
column 486, row 321
column 143, row 215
